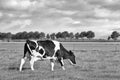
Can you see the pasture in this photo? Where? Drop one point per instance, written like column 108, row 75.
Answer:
column 95, row 61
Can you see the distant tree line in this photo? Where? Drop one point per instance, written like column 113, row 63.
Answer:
column 114, row 35
column 42, row 35
column 59, row 35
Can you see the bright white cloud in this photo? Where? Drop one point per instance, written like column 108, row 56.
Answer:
column 10, row 15
column 76, row 22
column 16, row 4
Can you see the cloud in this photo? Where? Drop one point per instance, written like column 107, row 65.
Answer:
column 64, row 12
column 1, row 14
column 112, row 5
column 25, row 23
column 21, row 23
column 101, row 16
column 16, row 4
column 76, row 5
column 24, row 15
column 54, row 25
column 105, row 13
column 10, row 15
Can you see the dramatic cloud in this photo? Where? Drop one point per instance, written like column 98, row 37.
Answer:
column 100, row 16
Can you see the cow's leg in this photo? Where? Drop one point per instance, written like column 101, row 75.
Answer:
column 32, row 63
column 22, row 63
column 62, row 63
column 52, row 64
column 24, row 57
column 70, row 62
column 33, row 60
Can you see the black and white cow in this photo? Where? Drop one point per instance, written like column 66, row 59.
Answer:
column 47, row 49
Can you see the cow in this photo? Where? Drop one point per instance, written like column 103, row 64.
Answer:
column 46, row 49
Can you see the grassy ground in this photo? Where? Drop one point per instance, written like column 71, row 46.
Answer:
column 95, row 61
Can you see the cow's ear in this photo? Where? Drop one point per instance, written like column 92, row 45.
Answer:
column 70, row 52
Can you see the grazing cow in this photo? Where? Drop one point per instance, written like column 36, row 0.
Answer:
column 47, row 49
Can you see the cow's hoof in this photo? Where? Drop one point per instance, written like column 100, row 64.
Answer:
column 20, row 70
column 63, row 68
column 52, row 70
column 32, row 69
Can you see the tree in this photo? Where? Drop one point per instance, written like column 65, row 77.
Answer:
column 8, row 36
column 65, row 34
column 115, row 35
column 71, row 35
column 77, row 35
column 48, row 36
column 108, row 37
column 30, row 35
column 90, row 35
column 42, row 35
column 59, row 35
column 24, row 35
column 52, row 36
column 36, row 35
column 82, row 34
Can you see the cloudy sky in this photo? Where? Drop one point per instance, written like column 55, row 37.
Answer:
column 100, row 16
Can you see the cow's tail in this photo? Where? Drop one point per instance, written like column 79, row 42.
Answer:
column 27, row 49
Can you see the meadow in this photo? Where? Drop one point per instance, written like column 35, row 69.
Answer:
column 95, row 61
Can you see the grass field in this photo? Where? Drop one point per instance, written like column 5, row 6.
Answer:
column 95, row 61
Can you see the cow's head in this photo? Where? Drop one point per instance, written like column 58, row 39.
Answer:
column 72, row 57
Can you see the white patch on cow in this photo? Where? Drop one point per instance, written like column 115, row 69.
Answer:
column 57, row 47
column 40, row 47
column 33, row 59
column 35, row 53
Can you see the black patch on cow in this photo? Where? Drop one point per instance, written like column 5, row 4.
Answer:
column 41, row 51
column 48, row 45
column 32, row 44
column 26, row 50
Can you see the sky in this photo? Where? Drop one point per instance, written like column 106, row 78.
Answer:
column 100, row 16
